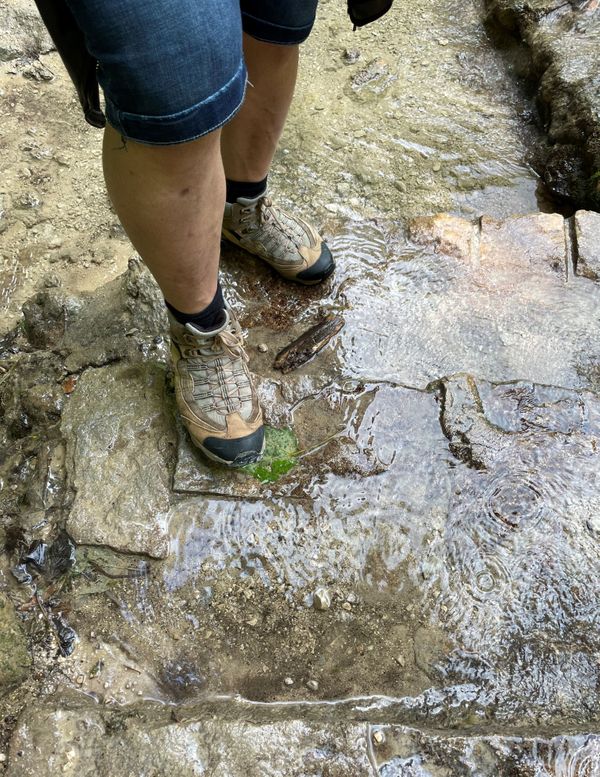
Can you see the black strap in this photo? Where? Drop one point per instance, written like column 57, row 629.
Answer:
column 363, row 12
column 81, row 66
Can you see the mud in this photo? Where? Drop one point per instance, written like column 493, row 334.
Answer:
column 408, row 587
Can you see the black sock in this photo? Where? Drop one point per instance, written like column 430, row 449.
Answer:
column 246, row 189
column 211, row 317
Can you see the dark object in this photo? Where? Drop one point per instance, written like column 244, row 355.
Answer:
column 36, row 555
column 22, row 574
column 80, row 64
column 60, row 557
column 307, row 345
column 15, row 539
column 52, row 561
column 320, row 270
column 67, row 637
column 363, row 12
column 239, row 451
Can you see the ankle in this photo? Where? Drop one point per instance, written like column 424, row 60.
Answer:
column 206, row 319
column 248, row 190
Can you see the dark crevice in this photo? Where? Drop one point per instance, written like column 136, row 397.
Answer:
column 572, row 246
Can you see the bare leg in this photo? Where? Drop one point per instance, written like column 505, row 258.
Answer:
column 170, row 201
column 249, row 140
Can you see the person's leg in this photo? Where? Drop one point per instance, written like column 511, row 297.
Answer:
column 173, row 75
column 273, row 31
column 249, row 140
column 170, row 201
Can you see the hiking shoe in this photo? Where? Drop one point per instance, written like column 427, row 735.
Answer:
column 214, row 391
column 286, row 242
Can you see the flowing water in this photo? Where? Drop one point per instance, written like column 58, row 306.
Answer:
column 439, row 457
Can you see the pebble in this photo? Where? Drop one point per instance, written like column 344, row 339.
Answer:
column 400, row 660
column 2, row 758
column 52, row 281
column 321, row 599
column 436, row 167
column 312, row 685
column 262, row 347
column 347, row 606
column 29, row 201
column 288, row 681
column 350, row 56
column 378, row 737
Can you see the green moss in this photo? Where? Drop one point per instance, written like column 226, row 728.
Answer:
column 281, row 451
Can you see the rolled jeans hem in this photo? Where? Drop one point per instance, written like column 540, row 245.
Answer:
column 268, row 32
column 185, row 125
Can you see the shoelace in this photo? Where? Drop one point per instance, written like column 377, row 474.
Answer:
column 267, row 215
column 224, row 387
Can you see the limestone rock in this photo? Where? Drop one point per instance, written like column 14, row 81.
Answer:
column 76, row 737
column 587, row 230
column 15, row 660
column 562, row 39
column 144, row 299
column 449, row 234
column 119, row 432
column 22, row 32
column 49, row 742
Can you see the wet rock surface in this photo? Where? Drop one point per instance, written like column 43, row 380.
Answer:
column 15, row 661
column 119, row 433
column 297, row 742
column 444, row 517
column 587, row 247
column 407, row 586
column 563, row 40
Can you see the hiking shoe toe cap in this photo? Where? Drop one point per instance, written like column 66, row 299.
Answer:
column 236, row 452
column 320, row 270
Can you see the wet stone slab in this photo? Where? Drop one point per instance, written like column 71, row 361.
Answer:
column 587, row 229
column 66, row 736
column 497, row 299
column 340, row 434
column 119, row 439
column 520, row 541
column 441, row 570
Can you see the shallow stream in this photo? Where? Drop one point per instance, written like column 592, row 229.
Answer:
column 417, row 594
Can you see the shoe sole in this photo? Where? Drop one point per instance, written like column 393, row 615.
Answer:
column 231, row 238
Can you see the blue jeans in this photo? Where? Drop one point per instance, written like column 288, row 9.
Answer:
column 173, row 70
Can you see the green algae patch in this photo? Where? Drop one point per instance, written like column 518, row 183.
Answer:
column 281, row 454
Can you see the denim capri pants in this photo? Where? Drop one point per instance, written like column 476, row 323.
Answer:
column 173, row 70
